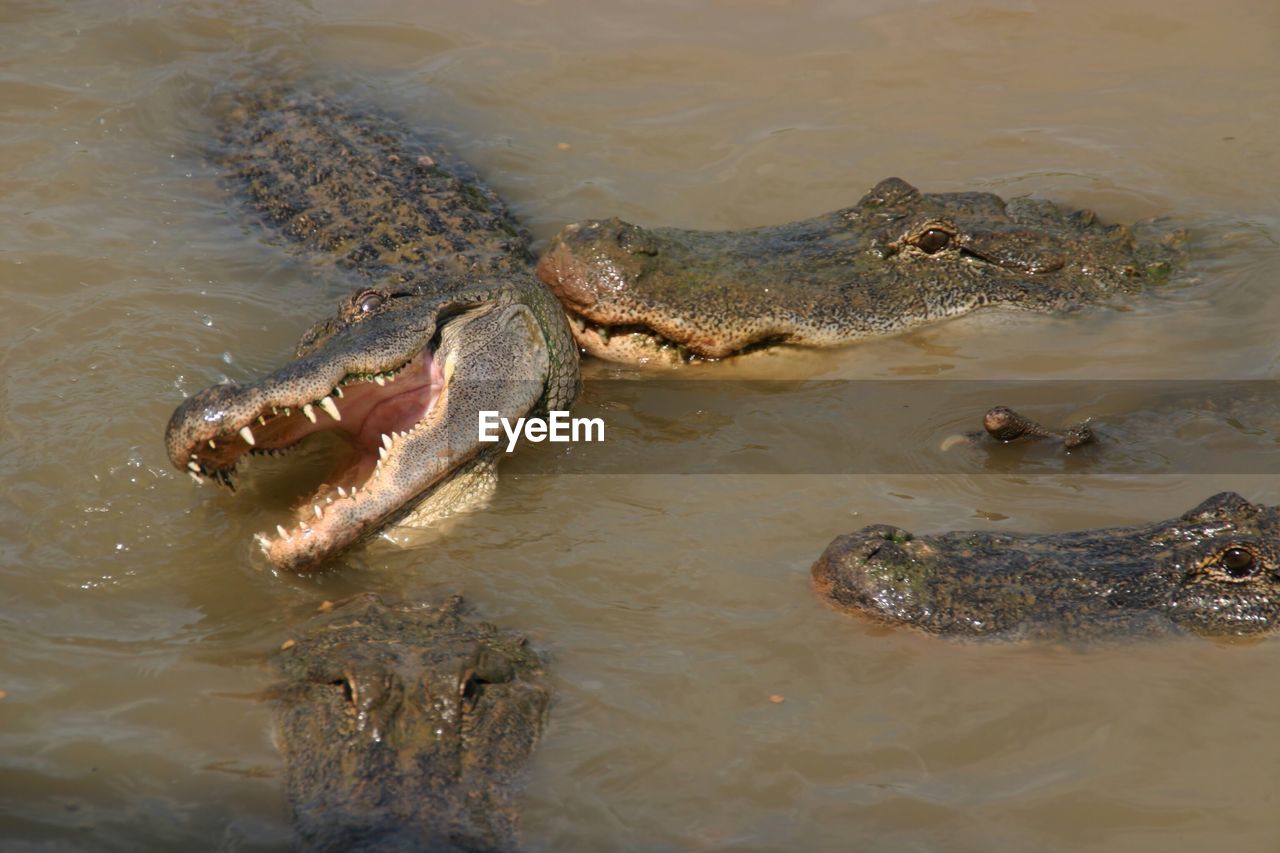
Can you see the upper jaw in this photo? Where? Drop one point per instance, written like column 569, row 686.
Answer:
column 209, row 428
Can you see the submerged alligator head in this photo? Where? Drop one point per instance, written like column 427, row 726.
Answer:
column 896, row 259
column 406, row 727
column 450, row 322
column 1214, row 571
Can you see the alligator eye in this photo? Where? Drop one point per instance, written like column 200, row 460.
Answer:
column 369, row 301
column 1239, row 562
column 933, row 240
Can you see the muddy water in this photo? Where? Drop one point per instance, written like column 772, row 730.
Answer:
column 671, row 605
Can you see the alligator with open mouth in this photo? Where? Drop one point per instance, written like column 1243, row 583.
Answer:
column 447, row 320
column 895, row 260
column 406, row 727
column 1213, row 571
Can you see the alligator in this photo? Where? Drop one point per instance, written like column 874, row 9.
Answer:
column 1005, row 425
column 445, row 319
column 895, row 260
column 406, row 727
column 1212, row 572
column 1183, row 423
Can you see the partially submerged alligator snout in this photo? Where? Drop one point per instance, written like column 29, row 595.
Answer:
column 406, row 728
column 895, row 260
column 451, row 322
column 1214, row 571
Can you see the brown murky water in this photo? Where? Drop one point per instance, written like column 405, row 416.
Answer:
column 134, row 622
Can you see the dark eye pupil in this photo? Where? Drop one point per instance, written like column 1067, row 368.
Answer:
column 1238, row 562
column 369, row 302
column 933, row 240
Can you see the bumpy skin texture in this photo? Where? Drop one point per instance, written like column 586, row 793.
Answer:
column 896, row 259
column 359, row 190
column 406, row 727
column 449, row 320
column 1214, row 571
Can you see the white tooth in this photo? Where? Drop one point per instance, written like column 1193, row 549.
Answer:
column 284, row 534
column 342, row 492
column 379, row 379
column 337, row 392
column 309, row 412
column 386, row 441
column 199, row 480
column 212, row 446
column 194, row 466
column 331, row 407
column 247, row 435
column 316, row 509
column 382, row 454
column 447, row 371
column 262, row 421
column 263, row 542
column 328, row 499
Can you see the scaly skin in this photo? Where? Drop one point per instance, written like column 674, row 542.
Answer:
column 405, row 728
column 1214, row 572
column 897, row 259
column 449, row 321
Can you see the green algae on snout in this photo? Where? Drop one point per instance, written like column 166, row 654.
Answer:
column 1213, row 571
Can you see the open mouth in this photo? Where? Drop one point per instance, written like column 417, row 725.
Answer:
column 382, row 415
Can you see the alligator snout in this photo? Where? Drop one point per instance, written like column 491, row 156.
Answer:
column 870, row 570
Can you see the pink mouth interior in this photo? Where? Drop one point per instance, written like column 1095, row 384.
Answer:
column 368, row 411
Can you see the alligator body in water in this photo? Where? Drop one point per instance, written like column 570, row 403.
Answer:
column 895, row 260
column 1004, row 425
column 448, row 320
column 406, row 728
column 1214, row 571
column 1215, row 426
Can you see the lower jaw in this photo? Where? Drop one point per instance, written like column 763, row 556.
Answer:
column 628, row 347
column 296, row 548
